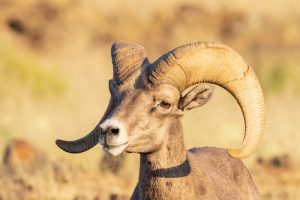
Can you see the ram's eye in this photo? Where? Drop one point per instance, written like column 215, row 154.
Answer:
column 165, row 105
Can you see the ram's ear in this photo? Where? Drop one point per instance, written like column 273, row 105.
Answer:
column 196, row 97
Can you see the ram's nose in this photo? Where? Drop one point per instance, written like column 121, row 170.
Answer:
column 112, row 133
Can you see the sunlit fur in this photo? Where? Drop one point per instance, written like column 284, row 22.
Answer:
column 167, row 169
column 145, row 112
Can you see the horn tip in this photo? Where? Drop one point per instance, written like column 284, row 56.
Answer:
column 59, row 143
column 62, row 145
column 238, row 153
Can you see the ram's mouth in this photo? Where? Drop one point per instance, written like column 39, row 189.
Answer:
column 115, row 149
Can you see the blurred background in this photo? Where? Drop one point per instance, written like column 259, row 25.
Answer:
column 54, row 69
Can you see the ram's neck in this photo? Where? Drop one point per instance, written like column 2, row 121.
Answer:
column 165, row 174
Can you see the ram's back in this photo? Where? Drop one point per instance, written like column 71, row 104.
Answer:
column 220, row 175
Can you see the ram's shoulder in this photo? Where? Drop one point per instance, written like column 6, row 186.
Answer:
column 214, row 157
column 219, row 166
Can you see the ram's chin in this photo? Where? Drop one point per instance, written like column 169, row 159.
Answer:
column 114, row 151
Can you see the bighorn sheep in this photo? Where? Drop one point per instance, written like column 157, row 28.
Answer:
column 145, row 112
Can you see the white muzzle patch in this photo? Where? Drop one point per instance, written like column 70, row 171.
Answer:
column 118, row 142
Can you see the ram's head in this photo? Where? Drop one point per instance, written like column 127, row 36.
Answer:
column 146, row 98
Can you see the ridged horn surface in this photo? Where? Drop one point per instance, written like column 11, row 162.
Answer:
column 80, row 145
column 127, row 58
column 87, row 142
column 218, row 64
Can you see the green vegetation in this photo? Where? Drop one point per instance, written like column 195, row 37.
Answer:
column 279, row 78
column 21, row 70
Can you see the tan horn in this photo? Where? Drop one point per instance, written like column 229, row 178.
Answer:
column 127, row 58
column 218, row 64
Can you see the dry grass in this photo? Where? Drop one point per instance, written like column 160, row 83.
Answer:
column 55, row 65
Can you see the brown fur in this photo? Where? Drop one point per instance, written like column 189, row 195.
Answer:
column 167, row 169
column 200, row 173
column 145, row 113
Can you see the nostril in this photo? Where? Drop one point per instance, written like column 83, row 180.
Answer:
column 115, row 131
column 102, row 132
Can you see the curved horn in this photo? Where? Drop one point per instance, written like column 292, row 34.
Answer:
column 215, row 63
column 127, row 58
column 88, row 141
column 80, row 145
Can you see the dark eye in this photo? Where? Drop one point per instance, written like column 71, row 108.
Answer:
column 165, row 105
